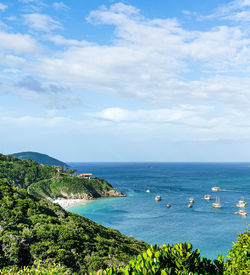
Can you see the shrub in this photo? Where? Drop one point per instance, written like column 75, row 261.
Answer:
column 176, row 259
column 238, row 259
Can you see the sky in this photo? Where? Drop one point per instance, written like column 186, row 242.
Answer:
column 132, row 80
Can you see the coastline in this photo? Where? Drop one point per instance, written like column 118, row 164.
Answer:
column 67, row 203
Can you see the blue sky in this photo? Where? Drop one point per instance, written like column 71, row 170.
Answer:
column 131, row 80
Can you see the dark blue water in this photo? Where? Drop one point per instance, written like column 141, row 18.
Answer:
column 211, row 230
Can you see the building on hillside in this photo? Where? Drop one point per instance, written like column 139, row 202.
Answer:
column 58, row 169
column 85, row 175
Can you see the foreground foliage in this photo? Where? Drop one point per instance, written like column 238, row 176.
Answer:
column 33, row 229
column 176, row 259
column 238, row 259
column 38, row 268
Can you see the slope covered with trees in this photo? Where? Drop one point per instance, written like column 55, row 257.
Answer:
column 72, row 187
column 45, row 181
column 33, row 229
column 40, row 158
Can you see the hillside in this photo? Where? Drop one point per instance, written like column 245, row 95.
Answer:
column 33, row 229
column 72, row 188
column 46, row 182
column 40, row 158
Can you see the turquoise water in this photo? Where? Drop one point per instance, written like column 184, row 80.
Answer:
column 211, row 230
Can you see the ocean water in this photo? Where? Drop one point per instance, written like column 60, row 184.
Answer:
column 138, row 215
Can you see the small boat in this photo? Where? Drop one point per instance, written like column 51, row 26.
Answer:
column 168, row 205
column 157, row 198
column 147, row 191
column 241, row 203
column 190, row 205
column 217, row 203
column 241, row 212
column 215, row 188
column 207, row 197
column 190, row 200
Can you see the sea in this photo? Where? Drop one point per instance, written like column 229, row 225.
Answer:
column 210, row 230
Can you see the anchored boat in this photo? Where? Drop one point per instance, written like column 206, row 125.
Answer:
column 215, row 188
column 241, row 212
column 207, row 197
column 190, row 200
column 241, row 203
column 157, row 198
column 217, row 203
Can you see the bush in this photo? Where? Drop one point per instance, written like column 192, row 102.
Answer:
column 176, row 259
column 38, row 268
column 238, row 259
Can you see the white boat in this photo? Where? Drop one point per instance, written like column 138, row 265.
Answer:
column 157, row 198
column 190, row 200
column 190, row 205
column 207, row 197
column 241, row 212
column 241, row 203
column 217, row 203
column 168, row 205
column 147, row 191
column 215, row 188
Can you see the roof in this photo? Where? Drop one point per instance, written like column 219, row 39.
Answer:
column 85, row 174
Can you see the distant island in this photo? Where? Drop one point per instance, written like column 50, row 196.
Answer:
column 40, row 158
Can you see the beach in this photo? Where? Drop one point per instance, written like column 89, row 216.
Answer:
column 66, row 203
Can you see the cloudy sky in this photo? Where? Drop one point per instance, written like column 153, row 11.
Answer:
column 130, row 80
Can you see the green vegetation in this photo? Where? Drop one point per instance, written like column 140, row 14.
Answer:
column 68, row 186
column 33, row 229
column 39, row 268
column 176, row 259
column 22, row 173
column 45, row 181
column 180, row 259
column 238, row 259
column 40, row 158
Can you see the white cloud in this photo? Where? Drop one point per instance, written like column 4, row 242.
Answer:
column 60, row 6
column 156, row 61
column 41, row 22
column 185, row 114
column 19, row 43
column 149, row 60
column 60, row 40
column 237, row 10
column 3, row 7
